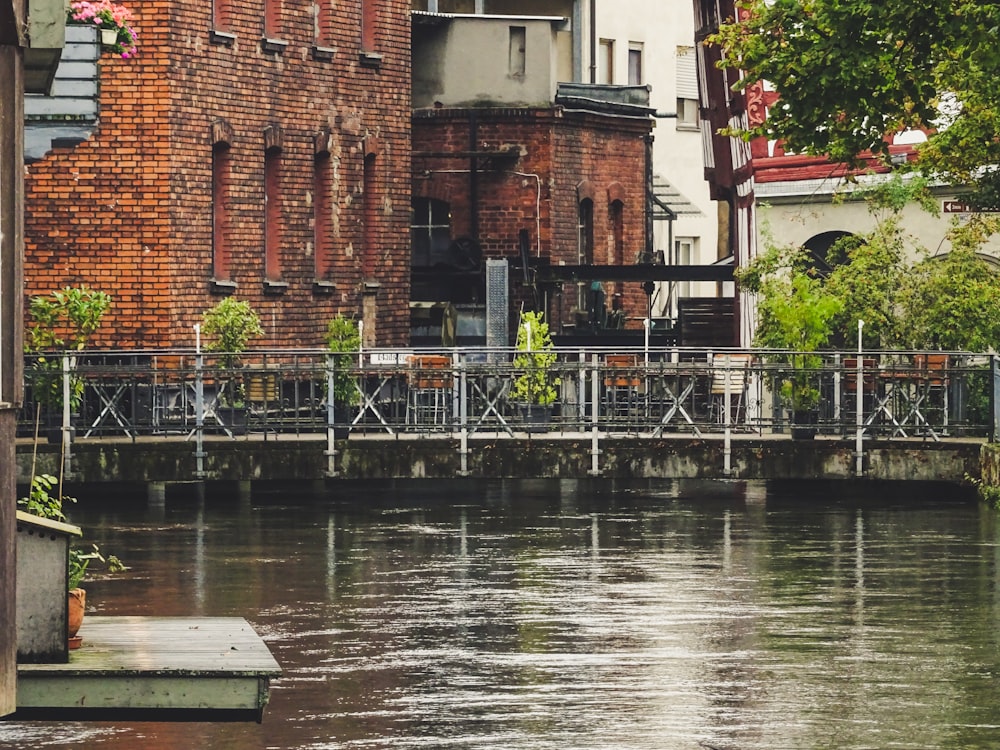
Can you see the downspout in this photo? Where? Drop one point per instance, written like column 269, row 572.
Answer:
column 473, row 177
column 593, row 41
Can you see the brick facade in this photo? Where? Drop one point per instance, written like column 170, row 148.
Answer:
column 130, row 211
column 559, row 158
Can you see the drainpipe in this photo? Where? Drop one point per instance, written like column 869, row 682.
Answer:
column 593, row 41
column 473, row 177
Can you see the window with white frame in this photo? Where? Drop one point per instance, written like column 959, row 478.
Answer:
column 606, row 61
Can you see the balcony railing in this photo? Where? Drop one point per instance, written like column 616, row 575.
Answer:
column 469, row 392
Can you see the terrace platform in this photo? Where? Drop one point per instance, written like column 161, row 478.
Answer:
column 153, row 669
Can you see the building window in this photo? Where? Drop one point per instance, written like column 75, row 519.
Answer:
column 272, row 19
column 430, row 232
column 585, row 244
column 606, row 62
column 684, row 253
column 221, row 15
column 221, row 171
column 369, row 213
column 369, row 23
column 323, row 25
column 516, row 51
column 272, row 214
column 687, row 88
column 323, row 215
column 635, row 64
column 616, row 217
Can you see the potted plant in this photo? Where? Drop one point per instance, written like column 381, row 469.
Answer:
column 344, row 338
column 61, row 321
column 113, row 20
column 795, row 314
column 534, row 388
column 229, row 326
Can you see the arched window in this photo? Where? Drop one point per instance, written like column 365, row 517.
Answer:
column 323, row 215
column 221, row 196
column 272, row 214
column 430, row 232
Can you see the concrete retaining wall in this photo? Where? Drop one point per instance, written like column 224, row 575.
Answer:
column 389, row 457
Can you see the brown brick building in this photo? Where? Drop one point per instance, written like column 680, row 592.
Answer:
column 561, row 186
column 256, row 149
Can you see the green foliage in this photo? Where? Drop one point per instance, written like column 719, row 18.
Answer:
column 65, row 319
column 852, row 72
column 62, row 320
column 79, row 563
column 42, row 502
column 795, row 312
column 534, row 382
column 232, row 323
column 342, row 335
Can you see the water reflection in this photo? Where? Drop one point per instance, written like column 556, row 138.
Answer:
column 577, row 614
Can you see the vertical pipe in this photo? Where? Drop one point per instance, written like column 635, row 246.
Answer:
column 67, row 459
column 727, row 451
column 463, row 417
column 331, row 418
column 859, row 422
column 593, row 41
column 595, row 408
column 473, row 176
column 199, row 416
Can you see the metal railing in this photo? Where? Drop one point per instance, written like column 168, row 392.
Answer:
column 468, row 392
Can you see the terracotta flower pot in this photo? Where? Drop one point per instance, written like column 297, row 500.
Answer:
column 77, row 604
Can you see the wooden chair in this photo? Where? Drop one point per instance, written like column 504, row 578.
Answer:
column 735, row 371
column 430, row 384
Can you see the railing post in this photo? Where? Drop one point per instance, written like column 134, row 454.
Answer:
column 727, row 450
column 859, row 419
column 595, row 410
column 331, row 418
column 67, row 417
column 995, row 416
column 463, row 415
column 199, row 416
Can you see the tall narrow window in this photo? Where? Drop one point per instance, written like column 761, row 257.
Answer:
column 369, row 23
column 616, row 216
column 635, row 64
column 323, row 29
column 585, row 239
column 220, row 211
column 684, row 252
column 272, row 214
column 606, row 62
column 272, row 19
column 516, row 51
column 322, row 216
column 221, row 16
column 687, row 89
column 369, row 229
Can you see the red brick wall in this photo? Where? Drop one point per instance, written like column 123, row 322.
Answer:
column 129, row 211
column 559, row 151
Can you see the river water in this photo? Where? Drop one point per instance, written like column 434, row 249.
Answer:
column 576, row 615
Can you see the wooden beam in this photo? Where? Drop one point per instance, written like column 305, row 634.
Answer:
column 634, row 273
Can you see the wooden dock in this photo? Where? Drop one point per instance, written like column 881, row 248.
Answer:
column 153, row 669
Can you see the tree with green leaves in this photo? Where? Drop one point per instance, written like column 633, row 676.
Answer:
column 850, row 73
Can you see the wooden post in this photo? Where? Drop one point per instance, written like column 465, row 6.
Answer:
column 11, row 360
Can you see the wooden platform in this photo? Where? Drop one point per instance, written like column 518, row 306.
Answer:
column 153, row 668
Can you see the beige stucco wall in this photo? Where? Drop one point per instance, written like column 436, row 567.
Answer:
column 795, row 219
column 466, row 63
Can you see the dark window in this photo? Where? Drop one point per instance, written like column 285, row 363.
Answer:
column 220, row 211
column 272, row 214
column 322, row 215
column 430, row 232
